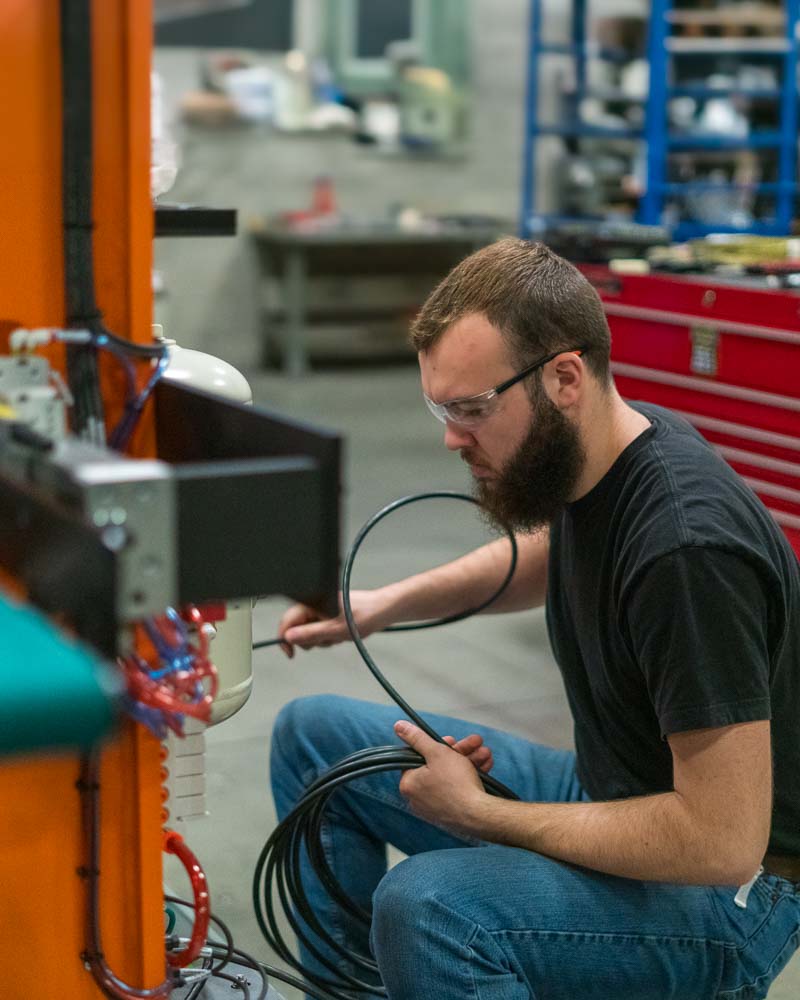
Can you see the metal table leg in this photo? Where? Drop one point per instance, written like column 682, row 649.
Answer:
column 295, row 353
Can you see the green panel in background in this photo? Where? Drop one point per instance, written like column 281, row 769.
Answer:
column 55, row 693
column 442, row 31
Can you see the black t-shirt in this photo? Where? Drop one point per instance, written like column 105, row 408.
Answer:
column 674, row 604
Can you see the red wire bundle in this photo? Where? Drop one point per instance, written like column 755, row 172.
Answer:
column 175, row 691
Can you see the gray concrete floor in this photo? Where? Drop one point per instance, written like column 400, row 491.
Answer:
column 495, row 669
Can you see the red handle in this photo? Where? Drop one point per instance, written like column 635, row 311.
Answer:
column 174, row 844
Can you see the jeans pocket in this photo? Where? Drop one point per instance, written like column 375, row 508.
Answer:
column 754, row 962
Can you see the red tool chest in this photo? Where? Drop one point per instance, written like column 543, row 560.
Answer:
column 728, row 359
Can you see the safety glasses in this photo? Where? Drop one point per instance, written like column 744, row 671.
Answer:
column 468, row 411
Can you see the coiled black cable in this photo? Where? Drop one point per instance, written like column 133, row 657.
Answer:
column 278, row 866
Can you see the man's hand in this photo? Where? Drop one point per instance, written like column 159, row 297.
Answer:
column 446, row 790
column 307, row 628
column 473, row 748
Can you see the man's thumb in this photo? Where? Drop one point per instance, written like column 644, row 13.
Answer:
column 415, row 737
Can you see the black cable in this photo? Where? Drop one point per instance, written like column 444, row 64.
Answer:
column 289, row 979
column 278, row 869
column 459, row 616
column 197, row 988
column 263, row 643
column 110, row 984
column 82, row 311
column 81, row 308
column 226, row 953
column 132, row 347
column 238, row 984
column 229, row 946
column 415, row 626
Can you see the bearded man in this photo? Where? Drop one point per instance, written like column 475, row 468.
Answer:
column 631, row 867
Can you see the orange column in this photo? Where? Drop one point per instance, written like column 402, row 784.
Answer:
column 42, row 898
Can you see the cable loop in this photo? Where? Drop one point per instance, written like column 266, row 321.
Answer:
column 278, row 868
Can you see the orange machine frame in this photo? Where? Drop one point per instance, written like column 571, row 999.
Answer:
column 42, row 908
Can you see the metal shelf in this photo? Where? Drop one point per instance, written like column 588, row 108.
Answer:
column 664, row 50
column 586, row 51
column 756, row 140
column 727, row 46
column 741, row 14
column 613, row 95
column 767, row 187
column 696, row 230
column 702, row 92
column 578, row 131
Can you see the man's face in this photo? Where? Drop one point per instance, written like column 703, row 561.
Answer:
column 525, row 458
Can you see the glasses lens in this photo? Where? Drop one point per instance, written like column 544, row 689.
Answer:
column 437, row 409
column 470, row 411
column 465, row 412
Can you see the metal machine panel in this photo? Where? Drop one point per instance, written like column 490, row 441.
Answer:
column 298, row 532
column 63, row 563
column 250, row 527
column 248, row 504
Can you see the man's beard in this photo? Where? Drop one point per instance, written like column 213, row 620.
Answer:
column 539, row 479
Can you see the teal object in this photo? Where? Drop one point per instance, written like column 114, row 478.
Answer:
column 54, row 693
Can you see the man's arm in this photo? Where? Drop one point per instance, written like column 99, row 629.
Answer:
column 456, row 586
column 712, row 829
column 472, row 579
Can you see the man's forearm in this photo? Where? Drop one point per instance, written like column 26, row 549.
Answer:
column 469, row 581
column 652, row 838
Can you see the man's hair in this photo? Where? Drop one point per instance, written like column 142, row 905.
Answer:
column 538, row 301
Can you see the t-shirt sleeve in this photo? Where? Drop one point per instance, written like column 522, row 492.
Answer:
column 698, row 623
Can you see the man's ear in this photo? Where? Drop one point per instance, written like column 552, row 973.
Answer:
column 564, row 380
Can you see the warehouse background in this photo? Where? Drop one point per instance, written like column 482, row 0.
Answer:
column 209, row 297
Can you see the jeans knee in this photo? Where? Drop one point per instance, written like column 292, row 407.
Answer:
column 404, row 893
column 301, row 720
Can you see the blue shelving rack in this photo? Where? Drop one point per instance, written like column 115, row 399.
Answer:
column 663, row 52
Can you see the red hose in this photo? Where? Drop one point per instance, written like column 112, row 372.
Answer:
column 157, row 695
column 174, row 844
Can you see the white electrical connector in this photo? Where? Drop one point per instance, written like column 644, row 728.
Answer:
column 35, row 394
column 22, row 340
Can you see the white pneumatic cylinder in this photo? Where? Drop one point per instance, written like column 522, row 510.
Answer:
column 232, row 646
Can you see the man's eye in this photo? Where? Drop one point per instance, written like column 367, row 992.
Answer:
column 467, row 410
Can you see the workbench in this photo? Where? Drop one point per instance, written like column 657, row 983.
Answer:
column 290, row 256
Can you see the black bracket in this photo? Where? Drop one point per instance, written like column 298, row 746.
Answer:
column 194, row 220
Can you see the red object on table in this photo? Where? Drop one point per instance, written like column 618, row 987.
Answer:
column 725, row 357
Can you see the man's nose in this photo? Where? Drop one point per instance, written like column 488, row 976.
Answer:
column 457, row 437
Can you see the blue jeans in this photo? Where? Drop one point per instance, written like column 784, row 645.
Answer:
column 461, row 921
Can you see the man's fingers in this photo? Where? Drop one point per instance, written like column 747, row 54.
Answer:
column 482, row 759
column 469, row 744
column 314, row 634
column 473, row 747
column 416, row 739
column 298, row 614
